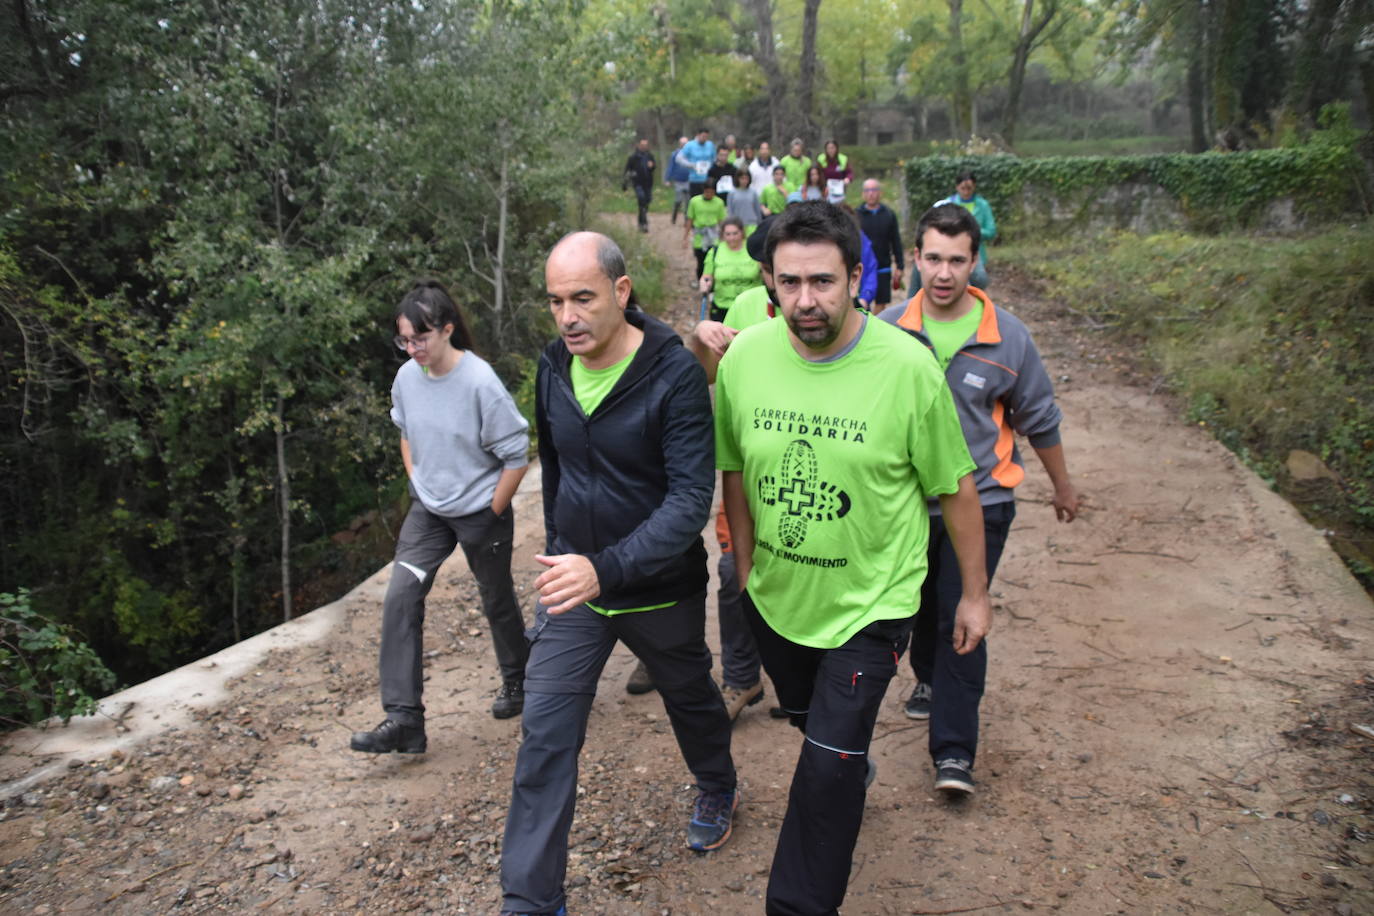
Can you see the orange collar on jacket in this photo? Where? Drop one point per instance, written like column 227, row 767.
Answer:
column 913, row 318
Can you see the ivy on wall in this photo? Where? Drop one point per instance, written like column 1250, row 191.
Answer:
column 1213, row 191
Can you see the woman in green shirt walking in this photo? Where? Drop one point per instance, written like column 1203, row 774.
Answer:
column 729, row 270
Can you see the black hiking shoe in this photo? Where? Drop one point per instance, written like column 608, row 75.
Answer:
column 510, row 700
column 391, row 737
column 639, row 681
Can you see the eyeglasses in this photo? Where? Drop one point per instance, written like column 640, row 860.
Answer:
column 405, row 343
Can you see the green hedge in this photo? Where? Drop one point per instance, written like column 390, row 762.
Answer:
column 1213, row 191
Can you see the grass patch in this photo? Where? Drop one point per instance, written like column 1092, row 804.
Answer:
column 1267, row 341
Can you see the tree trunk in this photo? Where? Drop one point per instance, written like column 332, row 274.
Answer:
column 1031, row 30
column 766, row 56
column 961, row 109
column 284, row 495
column 806, row 72
column 499, row 267
column 1197, row 106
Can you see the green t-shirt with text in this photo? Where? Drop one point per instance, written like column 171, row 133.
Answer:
column 734, row 272
column 948, row 336
column 705, row 214
column 838, row 459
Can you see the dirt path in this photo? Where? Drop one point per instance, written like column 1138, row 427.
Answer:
column 1167, row 729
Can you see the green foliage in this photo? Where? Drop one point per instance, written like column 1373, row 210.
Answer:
column 1213, row 190
column 45, row 668
column 206, row 217
column 1266, row 341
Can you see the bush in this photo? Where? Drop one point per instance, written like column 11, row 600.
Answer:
column 1214, row 191
column 45, row 669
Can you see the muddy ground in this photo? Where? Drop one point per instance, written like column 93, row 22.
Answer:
column 1168, row 728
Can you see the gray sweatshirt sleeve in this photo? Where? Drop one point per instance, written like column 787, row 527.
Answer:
column 505, row 433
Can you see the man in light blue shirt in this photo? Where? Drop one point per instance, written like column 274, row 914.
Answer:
column 698, row 155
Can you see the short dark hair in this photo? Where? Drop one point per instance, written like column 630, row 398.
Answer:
column 951, row 220
column 731, row 221
column 428, row 305
column 811, row 222
column 611, row 260
column 744, row 175
column 965, row 175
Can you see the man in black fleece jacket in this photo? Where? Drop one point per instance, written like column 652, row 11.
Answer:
column 628, row 458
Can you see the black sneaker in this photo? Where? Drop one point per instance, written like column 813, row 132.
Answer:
column 918, row 704
column 510, row 700
column 711, row 819
column 391, row 737
column 954, row 777
column 639, row 681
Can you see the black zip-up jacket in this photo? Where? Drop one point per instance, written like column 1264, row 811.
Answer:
column 883, row 234
column 630, row 486
column 639, row 168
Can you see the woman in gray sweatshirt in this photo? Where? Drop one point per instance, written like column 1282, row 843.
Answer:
column 465, row 447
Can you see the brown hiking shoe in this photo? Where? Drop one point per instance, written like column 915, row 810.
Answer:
column 736, row 698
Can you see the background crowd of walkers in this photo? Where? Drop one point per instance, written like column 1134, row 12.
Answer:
column 867, row 463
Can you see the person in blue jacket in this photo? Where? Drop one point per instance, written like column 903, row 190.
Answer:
column 676, row 175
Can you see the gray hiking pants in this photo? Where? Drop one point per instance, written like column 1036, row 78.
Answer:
column 425, row 542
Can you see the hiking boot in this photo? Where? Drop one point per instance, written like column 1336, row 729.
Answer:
column 918, row 704
column 510, row 700
column 711, row 817
column 639, row 681
column 736, row 698
column 954, row 777
column 391, row 737
column 777, row 712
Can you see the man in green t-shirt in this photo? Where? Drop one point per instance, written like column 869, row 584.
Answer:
column 831, row 432
column 701, row 229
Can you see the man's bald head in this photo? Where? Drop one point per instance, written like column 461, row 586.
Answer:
column 592, row 245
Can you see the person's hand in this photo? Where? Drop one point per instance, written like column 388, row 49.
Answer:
column 570, row 580
column 704, row 285
column 715, row 336
column 1066, row 502
column 972, row 621
column 896, row 278
column 864, row 303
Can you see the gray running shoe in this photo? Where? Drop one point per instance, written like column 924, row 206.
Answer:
column 954, row 777
column 918, row 704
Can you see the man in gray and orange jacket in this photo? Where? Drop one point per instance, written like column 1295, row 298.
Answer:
column 1000, row 387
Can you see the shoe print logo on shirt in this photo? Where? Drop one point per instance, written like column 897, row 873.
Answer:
column 802, row 494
